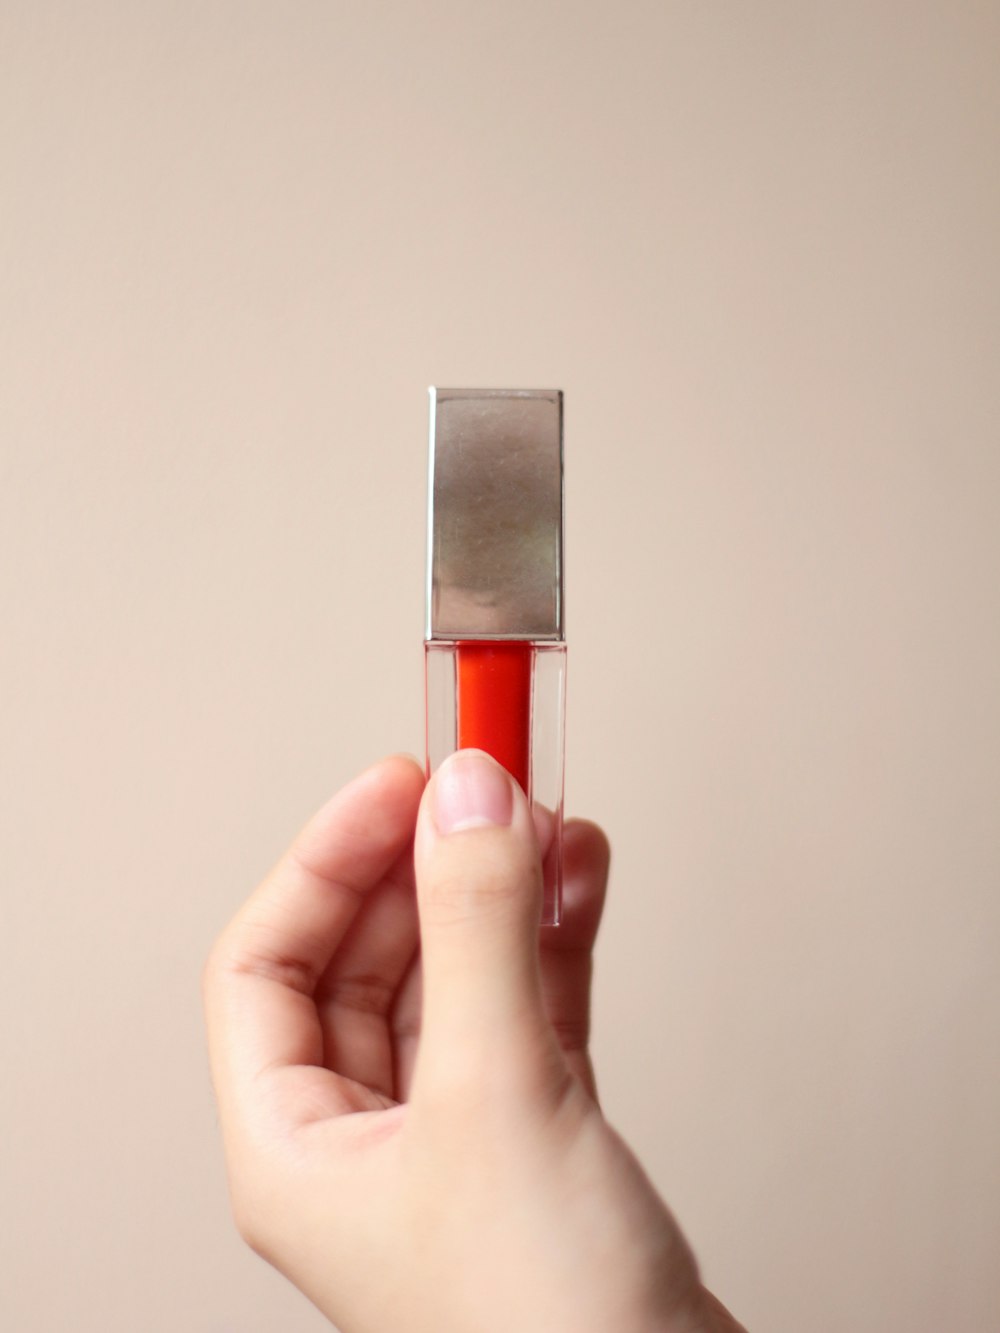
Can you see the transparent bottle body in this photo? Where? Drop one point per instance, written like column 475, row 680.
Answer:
column 449, row 705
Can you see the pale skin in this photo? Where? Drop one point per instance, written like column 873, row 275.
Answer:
column 409, row 1114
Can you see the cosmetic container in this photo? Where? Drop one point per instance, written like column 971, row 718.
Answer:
column 494, row 648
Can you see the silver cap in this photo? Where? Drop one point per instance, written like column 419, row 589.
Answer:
column 495, row 522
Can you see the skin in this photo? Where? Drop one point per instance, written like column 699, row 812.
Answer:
column 408, row 1109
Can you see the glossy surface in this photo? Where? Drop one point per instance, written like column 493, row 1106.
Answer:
column 494, row 703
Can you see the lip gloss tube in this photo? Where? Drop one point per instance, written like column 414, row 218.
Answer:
column 494, row 644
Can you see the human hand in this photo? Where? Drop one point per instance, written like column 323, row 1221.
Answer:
column 408, row 1109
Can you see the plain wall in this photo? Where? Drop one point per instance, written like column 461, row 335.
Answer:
column 757, row 246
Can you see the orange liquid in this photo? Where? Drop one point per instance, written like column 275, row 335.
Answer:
column 494, row 703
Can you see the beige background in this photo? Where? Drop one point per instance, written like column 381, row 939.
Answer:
column 756, row 244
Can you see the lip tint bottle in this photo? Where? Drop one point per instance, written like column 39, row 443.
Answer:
column 495, row 651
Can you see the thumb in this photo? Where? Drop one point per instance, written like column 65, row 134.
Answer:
column 479, row 892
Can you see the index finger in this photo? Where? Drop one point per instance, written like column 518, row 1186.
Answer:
column 263, row 970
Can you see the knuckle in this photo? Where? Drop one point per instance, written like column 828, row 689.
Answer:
column 573, row 1034
column 463, row 887
column 251, row 1233
column 213, row 967
column 250, row 1212
column 362, row 993
column 287, row 971
column 257, row 951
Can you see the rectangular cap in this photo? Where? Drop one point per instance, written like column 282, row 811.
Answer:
column 495, row 522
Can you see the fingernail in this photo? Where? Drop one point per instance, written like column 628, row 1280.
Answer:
column 471, row 790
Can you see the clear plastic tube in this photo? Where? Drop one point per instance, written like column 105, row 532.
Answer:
column 508, row 698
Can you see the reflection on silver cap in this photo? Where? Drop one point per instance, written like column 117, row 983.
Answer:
column 494, row 551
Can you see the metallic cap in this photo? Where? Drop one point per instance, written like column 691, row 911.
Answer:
column 495, row 522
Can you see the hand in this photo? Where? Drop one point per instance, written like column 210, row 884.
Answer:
column 413, row 1138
